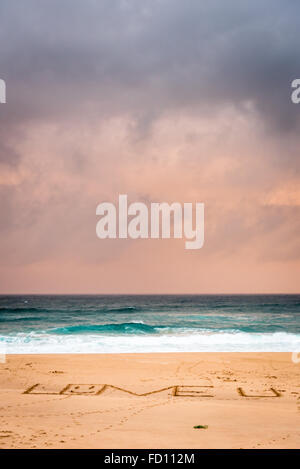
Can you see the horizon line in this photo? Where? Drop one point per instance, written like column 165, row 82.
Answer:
column 149, row 294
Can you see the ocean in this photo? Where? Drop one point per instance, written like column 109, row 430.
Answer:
column 149, row 323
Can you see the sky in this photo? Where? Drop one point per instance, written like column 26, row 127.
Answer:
column 165, row 101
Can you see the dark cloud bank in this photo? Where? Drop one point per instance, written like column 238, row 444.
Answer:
column 109, row 57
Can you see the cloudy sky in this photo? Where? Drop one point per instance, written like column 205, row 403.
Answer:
column 163, row 100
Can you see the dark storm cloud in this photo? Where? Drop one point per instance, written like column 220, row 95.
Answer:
column 109, row 57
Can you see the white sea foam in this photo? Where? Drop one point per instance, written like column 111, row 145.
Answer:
column 182, row 342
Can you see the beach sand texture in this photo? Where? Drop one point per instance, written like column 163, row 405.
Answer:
column 247, row 400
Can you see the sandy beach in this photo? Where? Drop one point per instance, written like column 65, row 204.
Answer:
column 246, row 400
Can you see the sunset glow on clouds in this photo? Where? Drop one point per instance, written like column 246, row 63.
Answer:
column 162, row 103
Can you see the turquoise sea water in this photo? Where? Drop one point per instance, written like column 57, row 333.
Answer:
column 160, row 323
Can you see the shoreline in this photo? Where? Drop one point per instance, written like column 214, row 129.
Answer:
column 150, row 400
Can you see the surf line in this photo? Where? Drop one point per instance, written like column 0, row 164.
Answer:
column 132, row 221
